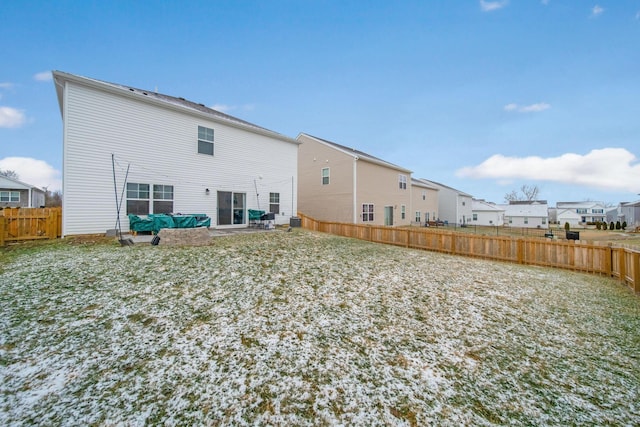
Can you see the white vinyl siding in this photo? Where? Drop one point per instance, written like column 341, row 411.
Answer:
column 98, row 124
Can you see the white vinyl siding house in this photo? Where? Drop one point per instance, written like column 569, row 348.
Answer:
column 454, row 206
column 486, row 214
column 186, row 155
column 529, row 214
column 580, row 213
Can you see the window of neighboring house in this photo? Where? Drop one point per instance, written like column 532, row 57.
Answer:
column 581, row 211
column 403, row 211
column 526, row 220
column 137, row 198
column 544, row 220
column 325, row 176
column 162, row 199
column 402, row 182
column 475, row 217
column 9, row 196
column 417, row 216
column 424, row 195
column 463, row 203
column 510, row 220
column 367, row 212
column 274, row 203
column 597, row 211
column 205, row 140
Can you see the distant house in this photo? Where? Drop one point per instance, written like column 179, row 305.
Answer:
column 526, row 214
column 424, row 202
column 454, row 206
column 485, row 213
column 342, row 184
column 629, row 212
column 580, row 213
column 14, row 193
column 164, row 154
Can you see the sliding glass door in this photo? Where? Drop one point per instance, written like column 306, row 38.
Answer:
column 231, row 208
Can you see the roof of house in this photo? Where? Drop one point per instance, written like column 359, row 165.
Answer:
column 631, row 204
column 439, row 185
column 420, row 183
column 14, row 184
column 484, row 206
column 178, row 103
column 357, row 154
column 585, row 204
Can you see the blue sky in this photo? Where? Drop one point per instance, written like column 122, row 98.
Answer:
column 484, row 96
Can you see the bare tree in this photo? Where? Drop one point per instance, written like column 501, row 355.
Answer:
column 526, row 193
column 52, row 198
column 9, row 174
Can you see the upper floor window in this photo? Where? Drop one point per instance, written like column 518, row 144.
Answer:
column 402, row 182
column 581, row 211
column 325, row 176
column 274, row 203
column 597, row 211
column 367, row 212
column 9, row 196
column 424, row 195
column 205, row 140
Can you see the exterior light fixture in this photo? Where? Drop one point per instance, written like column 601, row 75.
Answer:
column 206, row 191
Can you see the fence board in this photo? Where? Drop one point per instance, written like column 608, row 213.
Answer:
column 622, row 263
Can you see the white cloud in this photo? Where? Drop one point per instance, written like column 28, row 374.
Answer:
column 488, row 6
column 533, row 108
column 44, row 76
column 614, row 169
column 596, row 11
column 6, row 85
column 33, row 171
column 11, row 117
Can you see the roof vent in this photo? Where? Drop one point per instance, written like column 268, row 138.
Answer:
column 181, row 98
column 131, row 90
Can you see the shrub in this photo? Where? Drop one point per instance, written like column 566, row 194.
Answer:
column 624, row 225
column 611, row 225
column 618, row 225
column 598, row 225
column 567, row 227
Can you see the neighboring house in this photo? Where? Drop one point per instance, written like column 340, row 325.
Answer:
column 14, row 193
column 485, row 213
column 424, row 202
column 526, row 214
column 580, row 213
column 629, row 212
column 176, row 156
column 454, row 206
column 342, row 184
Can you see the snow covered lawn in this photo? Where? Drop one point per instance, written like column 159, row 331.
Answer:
column 309, row 329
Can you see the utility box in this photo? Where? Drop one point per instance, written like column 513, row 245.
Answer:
column 573, row 235
column 295, row 221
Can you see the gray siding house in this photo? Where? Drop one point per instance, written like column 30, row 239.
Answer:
column 14, row 193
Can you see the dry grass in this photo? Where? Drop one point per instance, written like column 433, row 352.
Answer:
column 309, row 329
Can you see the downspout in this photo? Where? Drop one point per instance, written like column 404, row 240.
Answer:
column 30, row 198
column 355, row 190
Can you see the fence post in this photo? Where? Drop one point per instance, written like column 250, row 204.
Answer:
column 622, row 263
column 3, row 227
column 636, row 271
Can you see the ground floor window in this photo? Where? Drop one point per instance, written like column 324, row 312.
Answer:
column 162, row 198
column 137, row 198
column 9, row 196
column 403, row 211
column 475, row 217
column 231, row 208
column 367, row 212
column 418, row 216
column 274, row 203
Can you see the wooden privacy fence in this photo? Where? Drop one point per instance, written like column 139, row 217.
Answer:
column 17, row 224
column 622, row 263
